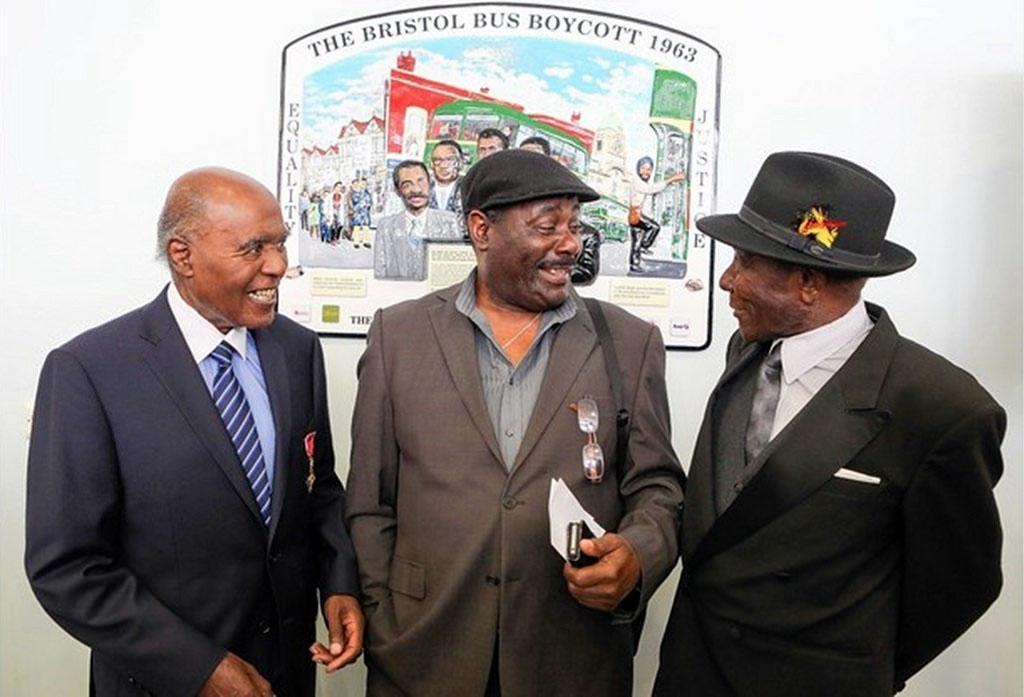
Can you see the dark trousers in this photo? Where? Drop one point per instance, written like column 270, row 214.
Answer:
column 641, row 238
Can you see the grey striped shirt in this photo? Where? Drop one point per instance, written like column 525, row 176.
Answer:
column 510, row 391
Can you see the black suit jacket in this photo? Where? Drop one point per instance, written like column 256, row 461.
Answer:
column 809, row 584
column 143, row 536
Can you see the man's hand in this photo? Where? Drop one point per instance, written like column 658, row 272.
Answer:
column 603, row 584
column 345, row 628
column 233, row 677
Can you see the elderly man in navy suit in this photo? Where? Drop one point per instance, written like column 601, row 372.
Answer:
column 183, row 510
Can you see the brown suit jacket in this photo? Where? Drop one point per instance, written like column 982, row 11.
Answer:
column 454, row 551
column 814, row 585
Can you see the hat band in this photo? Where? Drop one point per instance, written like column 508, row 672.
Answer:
column 798, row 242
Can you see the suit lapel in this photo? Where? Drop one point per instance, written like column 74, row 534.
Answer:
column 174, row 366
column 275, row 374
column 454, row 334
column 699, row 511
column 827, row 433
column 747, row 353
column 569, row 351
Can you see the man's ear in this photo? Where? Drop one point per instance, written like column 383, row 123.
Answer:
column 812, row 282
column 179, row 254
column 479, row 228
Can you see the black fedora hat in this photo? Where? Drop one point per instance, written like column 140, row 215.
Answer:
column 517, row 176
column 815, row 210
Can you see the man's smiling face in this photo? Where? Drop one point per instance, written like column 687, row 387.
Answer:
column 532, row 249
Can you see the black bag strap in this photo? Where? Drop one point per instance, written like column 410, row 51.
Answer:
column 611, row 364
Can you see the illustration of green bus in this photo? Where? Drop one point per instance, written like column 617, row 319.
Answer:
column 462, row 121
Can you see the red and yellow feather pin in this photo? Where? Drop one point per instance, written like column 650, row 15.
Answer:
column 815, row 222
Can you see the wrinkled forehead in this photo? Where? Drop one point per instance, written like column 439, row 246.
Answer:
column 239, row 208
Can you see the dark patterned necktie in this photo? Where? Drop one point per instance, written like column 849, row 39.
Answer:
column 766, row 401
column 234, row 411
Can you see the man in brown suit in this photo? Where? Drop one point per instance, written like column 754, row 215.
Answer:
column 463, row 418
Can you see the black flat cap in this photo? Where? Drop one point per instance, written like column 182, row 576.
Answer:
column 516, row 176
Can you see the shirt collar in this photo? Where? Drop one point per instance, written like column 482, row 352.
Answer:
column 201, row 336
column 802, row 352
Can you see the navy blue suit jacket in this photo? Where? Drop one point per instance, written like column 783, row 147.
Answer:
column 143, row 536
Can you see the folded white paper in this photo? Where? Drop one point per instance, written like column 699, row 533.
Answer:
column 855, row 476
column 564, row 508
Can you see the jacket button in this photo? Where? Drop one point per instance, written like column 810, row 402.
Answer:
column 509, row 503
column 493, row 580
column 263, row 627
column 735, row 633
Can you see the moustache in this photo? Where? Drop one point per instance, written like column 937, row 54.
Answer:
column 563, row 261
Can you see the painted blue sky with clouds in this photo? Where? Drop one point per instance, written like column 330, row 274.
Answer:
column 546, row 76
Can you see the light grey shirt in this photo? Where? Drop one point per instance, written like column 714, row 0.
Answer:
column 510, row 391
column 810, row 359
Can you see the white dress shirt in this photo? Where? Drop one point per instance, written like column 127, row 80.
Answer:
column 202, row 338
column 810, row 359
column 442, row 192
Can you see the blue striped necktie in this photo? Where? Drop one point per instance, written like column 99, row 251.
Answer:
column 234, row 411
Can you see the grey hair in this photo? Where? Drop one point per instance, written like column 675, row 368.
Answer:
column 179, row 217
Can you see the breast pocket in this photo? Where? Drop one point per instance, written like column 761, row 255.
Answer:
column 857, row 491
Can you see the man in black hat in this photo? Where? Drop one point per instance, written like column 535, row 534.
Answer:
column 840, row 529
column 468, row 410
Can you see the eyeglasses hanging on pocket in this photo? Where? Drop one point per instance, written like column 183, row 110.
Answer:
column 593, row 456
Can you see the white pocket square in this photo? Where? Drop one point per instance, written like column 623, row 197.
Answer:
column 855, row 476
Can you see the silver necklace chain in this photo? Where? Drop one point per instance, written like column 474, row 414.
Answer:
column 520, row 332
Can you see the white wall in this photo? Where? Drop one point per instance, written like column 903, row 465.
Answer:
column 103, row 106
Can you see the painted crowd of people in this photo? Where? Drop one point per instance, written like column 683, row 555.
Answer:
column 337, row 213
